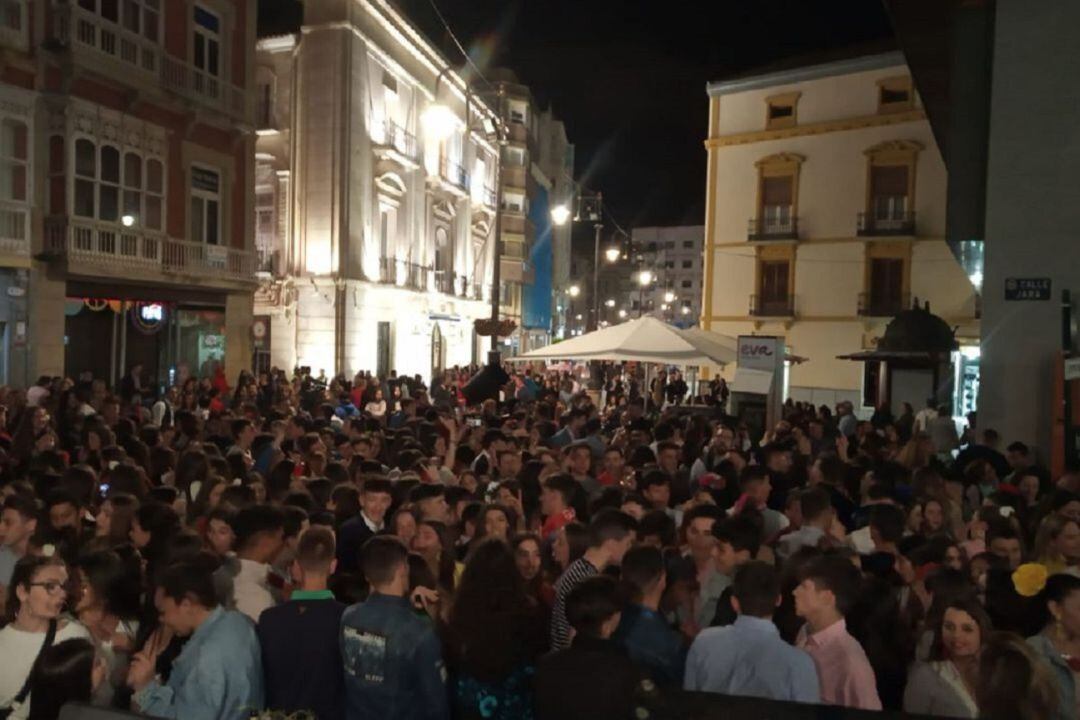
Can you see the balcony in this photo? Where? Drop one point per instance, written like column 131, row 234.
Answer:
column 416, row 275
column 388, row 270
column 772, row 307
column 13, row 26
column 393, row 141
column 107, row 249
column 485, row 197
column 783, row 227
column 202, row 88
column 882, row 305
column 14, row 226
column 445, row 281
column 885, row 224
column 88, row 32
column 454, row 173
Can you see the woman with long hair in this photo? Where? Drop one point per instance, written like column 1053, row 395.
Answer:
column 36, row 597
column 1057, row 544
column 69, row 671
column 1013, row 683
column 112, row 525
column 432, row 542
column 494, row 635
column 946, row 684
column 1059, row 642
column 153, row 527
column 497, row 521
column 529, row 557
column 108, row 605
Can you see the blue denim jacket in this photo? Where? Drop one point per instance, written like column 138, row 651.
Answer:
column 652, row 644
column 217, row 676
column 393, row 663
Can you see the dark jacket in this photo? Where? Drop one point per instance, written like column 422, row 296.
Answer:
column 301, row 657
column 353, row 534
column 652, row 644
column 393, row 662
column 590, row 679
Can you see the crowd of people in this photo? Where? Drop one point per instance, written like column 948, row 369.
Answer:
column 375, row 547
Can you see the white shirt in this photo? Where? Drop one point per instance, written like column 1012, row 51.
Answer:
column 19, row 649
column 34, row 396
column 251, row 592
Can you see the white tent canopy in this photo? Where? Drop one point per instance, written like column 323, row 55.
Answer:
column 646, row 339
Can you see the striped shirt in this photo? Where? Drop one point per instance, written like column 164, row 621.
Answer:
column 579, row 570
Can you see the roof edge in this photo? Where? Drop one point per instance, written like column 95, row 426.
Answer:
column 809, row 72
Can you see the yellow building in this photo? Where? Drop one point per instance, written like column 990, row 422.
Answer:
column 825, row 216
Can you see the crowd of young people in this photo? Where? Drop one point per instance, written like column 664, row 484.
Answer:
column 375, row 548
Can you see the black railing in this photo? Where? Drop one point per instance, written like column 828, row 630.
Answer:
column 396, row 137
column 416, row 276
column 388, row 270
column 878, row 304
column 774, row 228
column 444, row 282
column 772, row 307
column 454, row 173
column 886, row 223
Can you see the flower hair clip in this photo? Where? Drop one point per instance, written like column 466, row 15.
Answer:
column 1030, row 578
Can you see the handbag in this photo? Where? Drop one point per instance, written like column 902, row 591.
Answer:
column 20, row 698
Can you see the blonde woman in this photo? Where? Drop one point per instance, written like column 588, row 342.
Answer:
column 1057, row 545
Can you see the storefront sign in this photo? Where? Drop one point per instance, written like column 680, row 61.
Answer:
column 16, row 291
column 1072, row 368
column 759, row 353
column 152, row 313
column 1027, row 289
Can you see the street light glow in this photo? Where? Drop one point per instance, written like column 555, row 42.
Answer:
column 438, row 120
column 612, row 254
column 669, row 297
column 610, row 302
column 622, row 313
column 560, row 214
column 665, row 306
column 685, row 310
column 578, row 316
column 574, row 291
column 127, row 220
column 644, row 277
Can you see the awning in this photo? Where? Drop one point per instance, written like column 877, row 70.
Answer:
column 748, row 380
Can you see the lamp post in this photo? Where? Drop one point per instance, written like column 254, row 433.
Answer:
column 589, row 207
column 440, row 121
column 645, row 278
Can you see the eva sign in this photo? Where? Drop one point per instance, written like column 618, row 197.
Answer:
column 759, row 353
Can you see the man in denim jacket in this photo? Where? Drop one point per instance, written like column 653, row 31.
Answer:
column 392, row 657
column 218, row 675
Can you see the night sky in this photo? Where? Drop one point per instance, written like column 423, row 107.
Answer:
column 628, row 76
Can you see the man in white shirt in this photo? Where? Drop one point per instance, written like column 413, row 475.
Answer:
column 163, row 411
column 243, row 581
column 926, row 415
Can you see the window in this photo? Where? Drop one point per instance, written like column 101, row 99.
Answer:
column 890, row 188
column 780, row 111
column 390, row 99
column 13, row 148
column 895, row 94
column 687, row 284
column 687, row 264
column 886, row 286
column 207, row 50
column 777, row 194
column 112, row 186
column 670, row 264
column 205, row 206
column 519, row 112
column 888, row 192
column 670, row 245
column 513, row 202
column 264, row 116
column 514, row 156
column 686, row 303
column 688, row 244
column 774, row 289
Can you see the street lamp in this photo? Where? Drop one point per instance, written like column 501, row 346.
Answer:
column 438, row 120
column 574, row 291
column 612, row 254
column 622, row 313
column 685, row 310
column 644, row 278
column 610, row 302
column 127, row 220
column 669, row 297
column 560, row 214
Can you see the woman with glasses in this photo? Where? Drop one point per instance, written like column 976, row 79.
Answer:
column 36, row 598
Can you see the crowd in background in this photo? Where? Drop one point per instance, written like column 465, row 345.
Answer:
column 375, row 547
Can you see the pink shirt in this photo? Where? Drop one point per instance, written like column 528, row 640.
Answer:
column 844, row 672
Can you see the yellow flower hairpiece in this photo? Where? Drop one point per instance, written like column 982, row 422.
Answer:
column 1030, row 579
